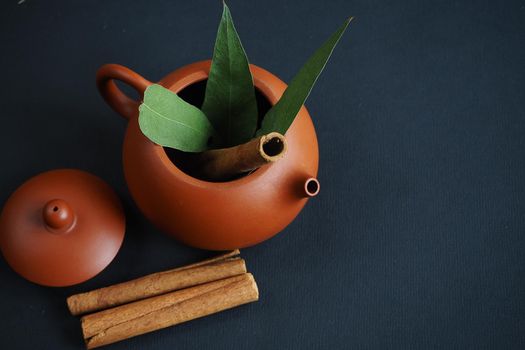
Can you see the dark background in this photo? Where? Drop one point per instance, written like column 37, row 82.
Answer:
column 417, row 238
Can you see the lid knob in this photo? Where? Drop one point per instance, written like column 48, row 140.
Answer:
column 58, row 215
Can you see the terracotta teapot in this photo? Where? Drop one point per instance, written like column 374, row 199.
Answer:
column 213, row 215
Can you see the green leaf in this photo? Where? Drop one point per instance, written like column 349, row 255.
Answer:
column 281, row 115
column 169, row 121
column 229, row 101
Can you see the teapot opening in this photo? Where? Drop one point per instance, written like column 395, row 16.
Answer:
column 194, row 94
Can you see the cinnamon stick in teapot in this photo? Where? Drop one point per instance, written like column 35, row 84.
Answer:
column 223, row 266
column 225, row 163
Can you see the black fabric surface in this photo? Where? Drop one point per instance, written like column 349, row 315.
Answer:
column 417, row 239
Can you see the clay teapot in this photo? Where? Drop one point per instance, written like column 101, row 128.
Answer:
column 213, row 215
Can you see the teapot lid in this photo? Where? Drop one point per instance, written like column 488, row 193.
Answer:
column 61, row 227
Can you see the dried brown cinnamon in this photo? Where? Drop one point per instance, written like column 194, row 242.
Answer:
column 158, row 283
column 225, row 163
column 151, row 314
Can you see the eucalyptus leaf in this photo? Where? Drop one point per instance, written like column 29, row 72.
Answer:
column 229, row 101
column 168, row 120
column 281, row 115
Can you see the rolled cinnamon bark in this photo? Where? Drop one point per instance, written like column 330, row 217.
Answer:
column 159, row 312
column 225, row 163
column 158, row 283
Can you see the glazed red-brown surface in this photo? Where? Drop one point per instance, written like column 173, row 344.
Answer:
column 61, row 227
column 222, row 215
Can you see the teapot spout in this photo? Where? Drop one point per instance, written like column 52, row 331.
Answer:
column 311, row 187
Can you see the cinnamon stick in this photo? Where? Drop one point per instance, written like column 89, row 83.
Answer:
column 225, row 163
column 158, row 283
column 159, row 312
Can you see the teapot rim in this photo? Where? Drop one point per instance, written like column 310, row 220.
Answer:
column 196, row 72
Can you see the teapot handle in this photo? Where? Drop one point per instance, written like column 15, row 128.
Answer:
column 114, row 97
